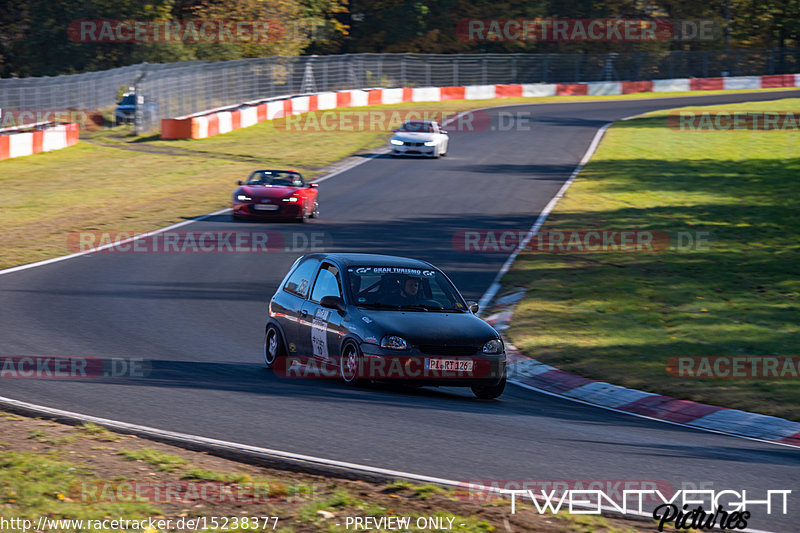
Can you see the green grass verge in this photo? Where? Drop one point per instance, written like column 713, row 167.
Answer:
column 115, row 182
column 38, row 484
column 163, row 461
column 619, row 317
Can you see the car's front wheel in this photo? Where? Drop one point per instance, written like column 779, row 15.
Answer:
column 490, row 392
column 273, row 346
column 351, row 365
column 315, row 212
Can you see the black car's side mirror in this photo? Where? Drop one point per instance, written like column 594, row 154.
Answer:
column 333, row 302
column 473, row 306
column 239, row 182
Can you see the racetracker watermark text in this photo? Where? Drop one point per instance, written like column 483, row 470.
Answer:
column 89, row 120
column 734, row 367
column 733, row 120
column 489, row 490
column 63, row 367
column 376, row 367
column 586, row 30
column 579, row 241
column 183, row 492
column 168, row 31
column 267, row 241
column 476, row 121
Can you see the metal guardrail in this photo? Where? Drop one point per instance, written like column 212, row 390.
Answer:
column 176, row 89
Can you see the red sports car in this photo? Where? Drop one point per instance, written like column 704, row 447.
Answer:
column 271, row 194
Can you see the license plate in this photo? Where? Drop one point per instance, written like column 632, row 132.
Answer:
column 265, row 207
column 453, row 365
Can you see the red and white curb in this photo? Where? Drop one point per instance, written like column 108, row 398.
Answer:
column 35, row 138
column 218, row 121
column 533, row 374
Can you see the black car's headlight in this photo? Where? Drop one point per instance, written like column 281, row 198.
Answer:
column 243, row 198
column 493, row 347
column 393, row 342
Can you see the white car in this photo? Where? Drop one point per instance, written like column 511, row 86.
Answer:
column 419, row 137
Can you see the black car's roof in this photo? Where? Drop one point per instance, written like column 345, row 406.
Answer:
column 288, row 171
column 353, row 259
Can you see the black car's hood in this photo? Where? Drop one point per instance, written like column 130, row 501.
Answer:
column 431, row 327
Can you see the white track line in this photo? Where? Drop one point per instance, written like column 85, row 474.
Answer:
column 495, row 286
column 317, row 460
column 109, row 245
column 492, row 290
column 256, row 451
column 167, row 228
column 518, row 383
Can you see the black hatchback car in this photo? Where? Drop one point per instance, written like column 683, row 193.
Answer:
column 366, row 317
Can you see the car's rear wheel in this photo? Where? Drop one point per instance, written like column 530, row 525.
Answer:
column 350, row 365
column 273, row 346
column 490, row 392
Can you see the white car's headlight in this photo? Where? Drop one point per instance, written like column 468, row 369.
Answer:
column 243, row 198
column 393, row 342
column 396, row 142
column 493, row 347
column 430, row 143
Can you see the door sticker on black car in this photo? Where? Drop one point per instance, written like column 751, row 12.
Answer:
column 319, row 334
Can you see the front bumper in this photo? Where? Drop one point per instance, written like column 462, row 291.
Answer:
column 407, row 149
column 411, row 367
column 284, row 210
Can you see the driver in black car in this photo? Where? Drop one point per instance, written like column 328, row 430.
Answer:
column 409, row 291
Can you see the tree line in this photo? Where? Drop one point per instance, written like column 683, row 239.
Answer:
column 37, row 37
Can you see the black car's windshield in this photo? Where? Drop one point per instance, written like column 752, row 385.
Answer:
column 417, row 125
column 283, row 178
column 128, row 99
column 407, row 289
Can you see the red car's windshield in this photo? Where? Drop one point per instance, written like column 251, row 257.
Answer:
column 276, row 178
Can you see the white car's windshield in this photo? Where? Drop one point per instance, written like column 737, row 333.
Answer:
column 417, row 126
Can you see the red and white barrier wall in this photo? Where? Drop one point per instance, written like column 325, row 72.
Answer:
column 215, row 123
column 22, row 141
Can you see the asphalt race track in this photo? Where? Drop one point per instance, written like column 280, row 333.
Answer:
column 199, row 319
